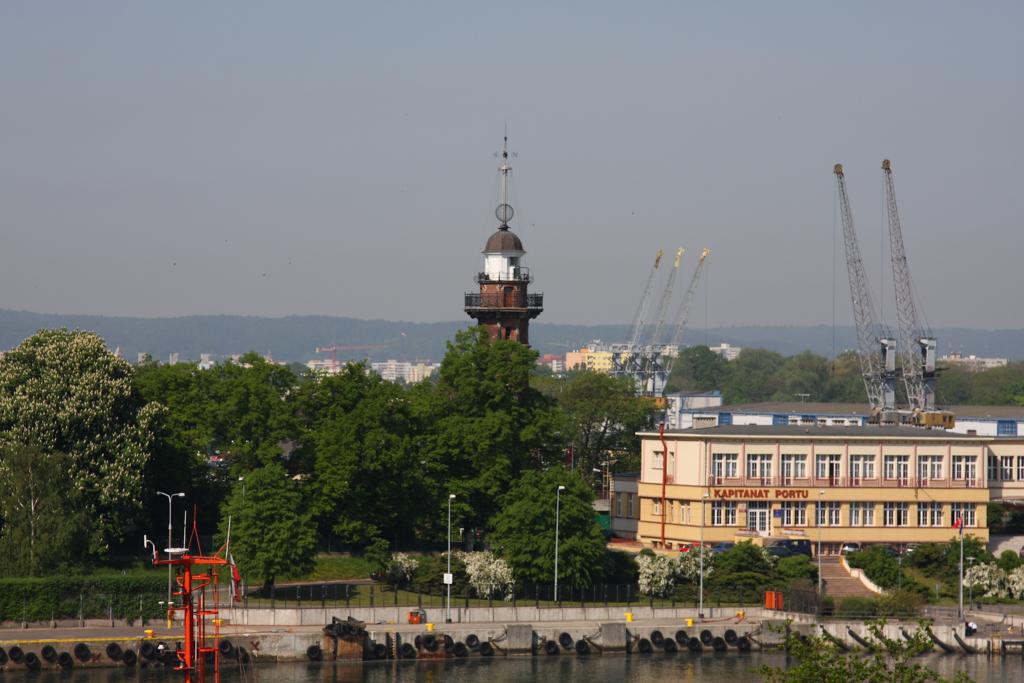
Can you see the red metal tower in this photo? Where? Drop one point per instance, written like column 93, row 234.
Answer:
column 197, row 645
column 503, row 303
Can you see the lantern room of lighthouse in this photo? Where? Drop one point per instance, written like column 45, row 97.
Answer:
column 503, row 303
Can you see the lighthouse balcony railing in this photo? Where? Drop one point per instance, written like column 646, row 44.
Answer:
column 513, row 299
column 516, row 274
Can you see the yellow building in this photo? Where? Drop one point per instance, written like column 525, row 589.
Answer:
column 834, row 484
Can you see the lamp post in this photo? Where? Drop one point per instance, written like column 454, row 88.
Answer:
column 558, row 510
column 448, row 575
column 820, row 514
column 700, row 592
column 170, row 498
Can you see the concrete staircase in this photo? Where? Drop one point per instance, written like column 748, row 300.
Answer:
column 838, row 582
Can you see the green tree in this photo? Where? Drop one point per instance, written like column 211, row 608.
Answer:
column 64, row 392
column 367, row 481
column 817, row 660
column 481, row 424
column 752, row 377
column 602, row 417
column 271, row 535
column 698, row 369
column 524, row 529
column 845, row 383
column 804, row 373
column 43, row 526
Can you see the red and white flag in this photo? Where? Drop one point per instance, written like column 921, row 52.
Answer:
column 236, row 580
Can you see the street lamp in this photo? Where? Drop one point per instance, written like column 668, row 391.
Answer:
column 448, row 575
column 703, row 503
column 170, row 498
column 821, row 518
column 558, row 509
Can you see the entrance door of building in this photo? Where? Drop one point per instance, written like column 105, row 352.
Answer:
column 759, row 517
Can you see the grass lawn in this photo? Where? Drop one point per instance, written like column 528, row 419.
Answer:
column 334, row 568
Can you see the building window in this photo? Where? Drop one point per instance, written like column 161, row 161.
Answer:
column 965, row 467
column 725, row 465
column 1006, row 468
column 1020, row 468
column 794, row 514
column 929, row 514
column 793, row 467
column 617, row 497
column 862, row 514
column 658, row 460
column 656, row 508
column 827, row 466
column 897, row 467
column 965, row 511
column 861, row 467
column 993, row 468
column 929, row 467
column 896, row 514
column 828, row 514
column 723, row 513
column 759, row 466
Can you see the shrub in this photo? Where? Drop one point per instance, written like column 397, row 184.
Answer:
column 899, row 603
column 1015, row 583
column 92, row 597
column 657, row 575
column 795, row 568
column 620, row 567
column 881, row 567
column 401, row 569
column 487, row 574
column 855, row 606
column 1009, row 560
column 987, row 579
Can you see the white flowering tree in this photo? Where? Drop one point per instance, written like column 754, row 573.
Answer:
column 64, row 392
column 401, row 569
column 656, row 575
column 488, row 574
column 987, row 579
column 689, row 563
column 1015, row 583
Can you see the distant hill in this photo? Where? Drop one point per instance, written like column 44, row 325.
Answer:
column 295, row 338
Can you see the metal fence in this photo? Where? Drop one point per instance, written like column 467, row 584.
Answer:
column 84, row 605
column 327, row 595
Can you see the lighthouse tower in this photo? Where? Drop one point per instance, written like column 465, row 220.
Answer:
column 503, row 304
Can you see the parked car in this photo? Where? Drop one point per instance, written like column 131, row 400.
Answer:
column 850, row 547
column 722, row 547
column 792, row 546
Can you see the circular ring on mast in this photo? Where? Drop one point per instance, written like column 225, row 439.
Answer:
column 504, row 213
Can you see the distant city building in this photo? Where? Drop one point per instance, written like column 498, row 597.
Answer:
column 553, row 362
column 1006, row 421
column 326, row 366
column 972, row 362
column 142, row 357
column 689, row 402
column 172, row 359
column 206, row 361
column 405, row 371
column 726, row 351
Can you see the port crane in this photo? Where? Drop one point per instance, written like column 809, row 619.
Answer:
column 876, row 349
column 916, row 343
column 648, row 361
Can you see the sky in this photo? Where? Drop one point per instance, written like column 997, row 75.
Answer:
column 269, row 158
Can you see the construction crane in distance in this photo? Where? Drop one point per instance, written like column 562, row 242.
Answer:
column 876, row 350
column 665, row 296
column 682, row 313
column 624, row 358
column 647, row 361
column 916, row 344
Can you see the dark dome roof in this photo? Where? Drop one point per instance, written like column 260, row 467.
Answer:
column 503, row 240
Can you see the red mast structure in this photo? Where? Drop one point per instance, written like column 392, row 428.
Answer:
column 196, row 573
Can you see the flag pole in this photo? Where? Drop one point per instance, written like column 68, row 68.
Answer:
column 960, row 601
